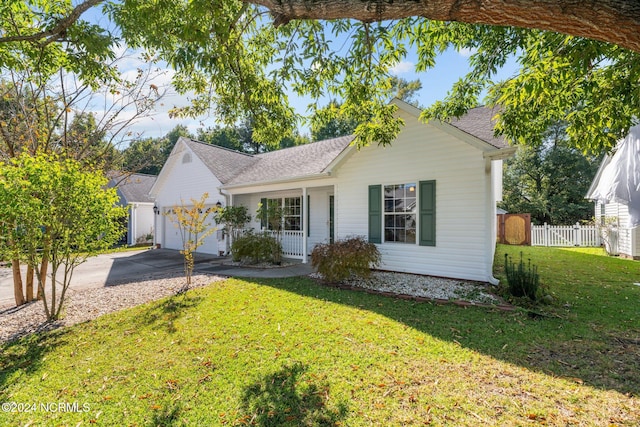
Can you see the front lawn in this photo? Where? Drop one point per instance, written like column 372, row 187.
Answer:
column 291, row 353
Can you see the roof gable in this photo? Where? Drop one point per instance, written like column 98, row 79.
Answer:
column 135, row 187
column 476, row 126
column 224, row 163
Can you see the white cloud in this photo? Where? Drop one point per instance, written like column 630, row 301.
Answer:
column 402, row 67
column 466, row 52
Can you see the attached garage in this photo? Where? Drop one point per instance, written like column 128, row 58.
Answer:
column 173, row 240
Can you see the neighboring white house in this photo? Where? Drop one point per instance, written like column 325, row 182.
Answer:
column 133, row 190
column 428, row 201
column 616, row 192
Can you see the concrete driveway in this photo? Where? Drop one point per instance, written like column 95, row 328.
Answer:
column 115, row 268
column 134, row 266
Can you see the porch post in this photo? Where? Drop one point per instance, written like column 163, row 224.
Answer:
column 305, row 226
column 228, row 241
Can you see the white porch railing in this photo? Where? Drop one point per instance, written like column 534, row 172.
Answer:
column 565, row 235
column 291, row 242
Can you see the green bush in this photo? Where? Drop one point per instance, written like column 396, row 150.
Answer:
column 339, row 260
column 522, row 282
column 252, row 248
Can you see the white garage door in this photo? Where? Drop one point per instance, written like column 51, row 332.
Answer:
column 173, row 240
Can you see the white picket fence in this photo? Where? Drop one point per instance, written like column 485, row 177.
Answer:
column 291, row 242
column 565, row 235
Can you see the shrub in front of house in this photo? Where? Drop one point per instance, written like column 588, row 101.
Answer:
column 340, row 260
column 252, row 248
column 523, row 281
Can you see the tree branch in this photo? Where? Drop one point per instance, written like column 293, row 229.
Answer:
column 59, row 30
column 614, row 21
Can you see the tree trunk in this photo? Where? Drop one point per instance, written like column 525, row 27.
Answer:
column 29, row 283
column 17, row 282
column 43, row 276
column 43, row 267
column 614, row 21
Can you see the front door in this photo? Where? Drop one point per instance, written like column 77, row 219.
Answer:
column 331, row 219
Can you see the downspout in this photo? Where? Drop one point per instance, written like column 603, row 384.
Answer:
column 491, row 221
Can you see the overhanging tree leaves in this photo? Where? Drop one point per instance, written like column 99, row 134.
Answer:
column 51, row 210
column 237, row 58
column 589, row 84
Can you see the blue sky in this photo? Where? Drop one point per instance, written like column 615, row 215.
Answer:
column 436, row 82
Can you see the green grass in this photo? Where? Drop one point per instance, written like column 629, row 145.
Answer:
column 291, row 353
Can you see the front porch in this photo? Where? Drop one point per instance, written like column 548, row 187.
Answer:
column 307, row 217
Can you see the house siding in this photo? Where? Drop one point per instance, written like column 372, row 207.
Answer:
column 628, row 238
column 183, row 182
column 635, row 239
column 463, row 183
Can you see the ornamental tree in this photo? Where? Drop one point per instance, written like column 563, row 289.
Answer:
column 193, row 223
column 52, row 210
column 49, row 89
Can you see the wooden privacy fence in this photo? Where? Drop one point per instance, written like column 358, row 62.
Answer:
column 565, row 235
column 514, row 229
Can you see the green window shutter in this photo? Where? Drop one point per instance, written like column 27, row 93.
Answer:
column 308, row 215
column 263, row 213
column 427, row 213
column 375, row 213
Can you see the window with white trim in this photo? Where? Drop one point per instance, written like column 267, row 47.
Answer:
column 268, row 208
column 400, row 213
column 292, row 213
column 291, row 209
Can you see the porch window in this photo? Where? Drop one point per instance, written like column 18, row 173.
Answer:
column 291, row 208
column 400, row 213
column 292, row 213
column 273, row 204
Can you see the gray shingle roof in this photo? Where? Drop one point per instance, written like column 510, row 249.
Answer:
column 302, row 160
column 478, row 122
column 224, row 163
column 134, row 188
column 236, row 168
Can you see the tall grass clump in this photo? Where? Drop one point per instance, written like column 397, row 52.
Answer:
column 523, row 281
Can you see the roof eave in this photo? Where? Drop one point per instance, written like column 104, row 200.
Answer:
column 449, row 128
column 340, row 158
column 596, row 179
column 499, row 153
column 298, row 178
column 470, row 139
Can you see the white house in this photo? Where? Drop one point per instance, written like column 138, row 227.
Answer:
column 616, row 192
column 428, row 201
column 133, row 190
